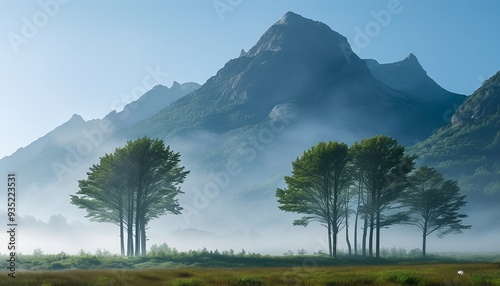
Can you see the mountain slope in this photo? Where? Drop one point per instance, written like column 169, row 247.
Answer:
column 299, row 84
column 150, row 103
column 77, row 143
column 469, row 148
column 302, row 64
column 410, row 77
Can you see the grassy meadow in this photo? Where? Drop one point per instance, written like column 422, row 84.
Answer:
column 421, row 274
column 197, row 268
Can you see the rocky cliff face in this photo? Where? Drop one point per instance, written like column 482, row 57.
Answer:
column 483, row 103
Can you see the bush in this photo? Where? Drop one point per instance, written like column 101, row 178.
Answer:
column 184, row 274
column 481, row 280
column 246, row 281
column 188, row 282
column 402, row 277
column 57, row 266
column 101, row 281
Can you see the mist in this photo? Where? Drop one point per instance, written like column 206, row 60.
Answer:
column 229, row 201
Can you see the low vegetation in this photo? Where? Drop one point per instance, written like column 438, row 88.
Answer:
column 166, row 266
column 395, row 273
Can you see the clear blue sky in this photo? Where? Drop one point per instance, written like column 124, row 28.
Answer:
column 83, row 55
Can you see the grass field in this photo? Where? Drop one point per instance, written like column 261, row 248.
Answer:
column 397, row 274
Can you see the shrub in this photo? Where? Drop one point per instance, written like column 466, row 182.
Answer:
column 188, row 282
column 402, row 277
column 481, row 279
column 246, row 281
column 57, row 266
column 184, row 274
column 101, row 281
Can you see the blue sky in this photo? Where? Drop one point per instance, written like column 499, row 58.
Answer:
column 61, row 57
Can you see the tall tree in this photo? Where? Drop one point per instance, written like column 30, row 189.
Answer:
column 384, row 168
column 434, row 204
column 104, row 184
column 361, row 202
column 347, row 196
column 135, row 184
column 315, row 188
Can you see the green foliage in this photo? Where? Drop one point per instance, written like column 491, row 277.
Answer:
column 188, row 282
column 246, row 281
column 482, row 279
column 162, row 250
column 319, row 181
column 434, row 204
column 467, row 150
column 381, row 168
column 101, row 281
column 401, row 277
column 132, row 186
column 345, row 273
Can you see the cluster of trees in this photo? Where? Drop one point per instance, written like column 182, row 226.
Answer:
column 132, row 186
column 374, row 180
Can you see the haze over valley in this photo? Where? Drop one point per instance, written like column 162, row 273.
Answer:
column 238, row 133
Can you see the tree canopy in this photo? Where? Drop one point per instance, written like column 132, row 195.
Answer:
column 382, row 168
column 132, row 186
column 316, row 186
column 434, row 204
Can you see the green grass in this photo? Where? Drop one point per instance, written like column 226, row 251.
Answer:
column 389, row 274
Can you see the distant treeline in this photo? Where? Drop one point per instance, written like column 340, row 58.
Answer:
column 163, row 256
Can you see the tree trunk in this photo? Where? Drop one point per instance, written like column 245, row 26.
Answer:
column 370, row 239
column 356, row 227
column 138, row 228
column 335, row 213
column 138, row 214
column 349, row 247
column 330, row 238
column 143, row 238
column 377, row 246
column 357, row 216
column 356, row 236
column 122, row 239
column 334, row 243
column 130, row 226
column 365, row 229
column 424, row 240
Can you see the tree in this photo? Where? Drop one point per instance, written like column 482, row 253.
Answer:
column 361, row 198
column 382, row 167
column 101, row 194
column 434, row 204
column 315, row 188
column 132, row 186
column 347, row 195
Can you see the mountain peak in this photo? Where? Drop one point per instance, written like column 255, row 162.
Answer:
column 412, row 62
column 291, row 18
column 176, row 86
column 411, row 57
column 296, row 33
column 76, row 118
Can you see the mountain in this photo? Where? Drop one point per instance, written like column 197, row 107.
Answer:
column 150, row 103
column 468, row 149
column 298, row 85
column 410, row 77
column 308, row 67
column 31, row 161
column 77, row 143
